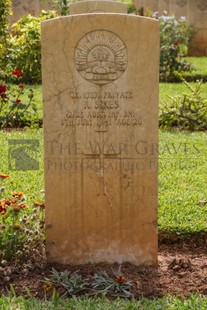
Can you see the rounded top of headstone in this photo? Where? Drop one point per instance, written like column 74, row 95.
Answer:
column 98, row 6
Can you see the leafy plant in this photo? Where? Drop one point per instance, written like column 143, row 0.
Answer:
column 14, row 112
column 186, row 111
column 21, row 233
column 118, row 286
column 175, row 36
column 5, row 11
column 25, row 47
column 132, row 9
column 101, row 283
column 62, row 5
column 72, row 283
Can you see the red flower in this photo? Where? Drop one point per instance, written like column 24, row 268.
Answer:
column 120, row 279
column 4, row 176
column 3, row 89
column 21, row 86
column 2, row 210
column 39, row 204
column 176, row 43
column 18, row 100
column 3, row 95
column 6, row 202
column 18, row 73
column 23, row 206
column 18, row 195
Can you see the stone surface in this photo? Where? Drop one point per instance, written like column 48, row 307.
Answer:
column 19, row 8
column 195, row 12
column 179, row 7
column 45, row 5
column 97, row 6
column 100, row 92
column 199, row 43
column 197, row 15
column 33, row 7
column 163, row 6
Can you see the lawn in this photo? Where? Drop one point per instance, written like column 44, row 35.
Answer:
column 174, row 89
column 182, row 166
column 199, row 64
column 182, row 182
column 182, row 178
column 166, row 303
column 182, row 200
column 29, row 182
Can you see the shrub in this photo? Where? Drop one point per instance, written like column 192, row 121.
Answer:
column 21, row 233
column 175, row 36
column 5, row 11
column 25, row 46
column 62, row 6
column 186, row 111
column 15, row 111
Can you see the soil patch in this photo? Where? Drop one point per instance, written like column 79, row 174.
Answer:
column 181, row 271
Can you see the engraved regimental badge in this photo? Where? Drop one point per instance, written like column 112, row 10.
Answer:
column 101, row 57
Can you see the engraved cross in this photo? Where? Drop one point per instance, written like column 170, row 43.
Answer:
column 101, row 156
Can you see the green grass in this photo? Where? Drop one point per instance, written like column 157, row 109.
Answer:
column 166, row 303
column 182, row 182
column 199, row 63
column 37, row 96
column 37, row 92
column 182, row 178
column 30, row 182
column 174, row 89
column 181, row 186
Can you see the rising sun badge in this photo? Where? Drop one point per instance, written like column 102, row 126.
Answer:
column 101, row 57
